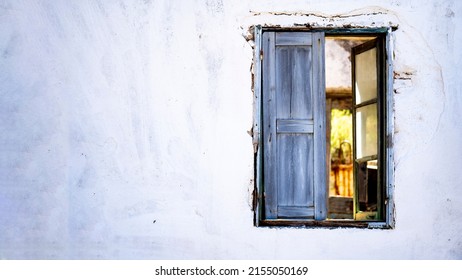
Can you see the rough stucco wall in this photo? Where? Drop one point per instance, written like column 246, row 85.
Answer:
column 123, row 130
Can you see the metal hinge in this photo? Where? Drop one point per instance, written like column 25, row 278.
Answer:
column 261, row 54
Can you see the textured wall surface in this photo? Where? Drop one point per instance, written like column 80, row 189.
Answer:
column 123, row 130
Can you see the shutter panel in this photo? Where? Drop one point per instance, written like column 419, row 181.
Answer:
column 294, row 125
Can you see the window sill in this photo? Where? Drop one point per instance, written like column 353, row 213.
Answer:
column 329, row 224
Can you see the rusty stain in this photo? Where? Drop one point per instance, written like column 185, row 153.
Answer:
column 249, row 36
column 405, row 75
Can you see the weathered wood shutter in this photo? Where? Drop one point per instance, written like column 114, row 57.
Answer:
column 294, row 163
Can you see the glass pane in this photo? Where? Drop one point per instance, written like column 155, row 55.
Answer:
column 367, row 180
column 366, row 131
column 366, row 76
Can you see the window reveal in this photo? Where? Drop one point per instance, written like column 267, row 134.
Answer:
column 290, row 131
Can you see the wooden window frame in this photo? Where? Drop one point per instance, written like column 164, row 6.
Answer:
column 386, row 124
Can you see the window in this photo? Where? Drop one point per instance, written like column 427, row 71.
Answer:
column 306, row 174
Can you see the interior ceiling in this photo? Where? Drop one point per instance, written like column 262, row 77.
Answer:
column 351, row 38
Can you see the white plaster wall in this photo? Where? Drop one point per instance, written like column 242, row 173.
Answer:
column 123, row 130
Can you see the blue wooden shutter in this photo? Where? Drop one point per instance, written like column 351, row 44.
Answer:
column 294, row 142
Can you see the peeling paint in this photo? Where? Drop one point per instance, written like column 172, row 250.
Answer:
column 361, row 18
column 406, row 75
